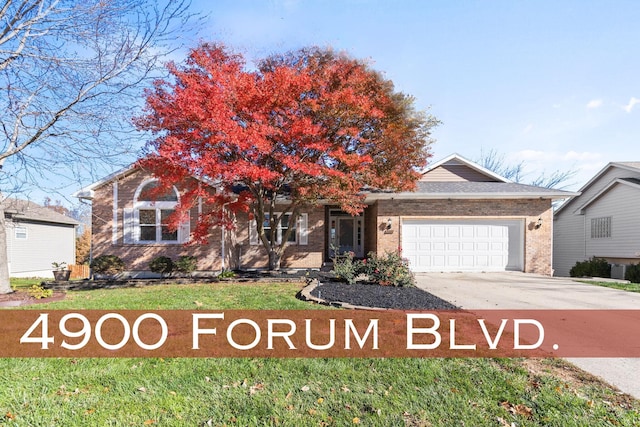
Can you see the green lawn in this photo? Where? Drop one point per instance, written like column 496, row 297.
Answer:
column 290, row 392
column 630, row 287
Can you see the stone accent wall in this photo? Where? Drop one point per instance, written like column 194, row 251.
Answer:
column 137, row 256
column 538, row 242
column 311, row 255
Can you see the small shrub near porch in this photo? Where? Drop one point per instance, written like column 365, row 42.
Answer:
column 389, row 269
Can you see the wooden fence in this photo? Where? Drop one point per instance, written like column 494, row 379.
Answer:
column 79, row 271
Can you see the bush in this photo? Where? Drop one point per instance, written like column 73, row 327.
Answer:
column 186, row 264
column 389, row 269
column 162, row 265
column 38, row 292
column 633, row 273
column 107, row 264
column 594, row 267
column 346, row 268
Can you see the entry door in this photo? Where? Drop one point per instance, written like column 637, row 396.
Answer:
column 346, row 235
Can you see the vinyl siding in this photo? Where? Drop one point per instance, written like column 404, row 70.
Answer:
column 569, row 245
column 622, row 204
column 45, row 243
column 455, row 173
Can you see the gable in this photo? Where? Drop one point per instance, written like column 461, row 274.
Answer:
column 454, row 171
column 599, row 184
column 606, row 196
column 456, row 168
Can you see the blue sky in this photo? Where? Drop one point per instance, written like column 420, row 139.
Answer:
column 555, row 84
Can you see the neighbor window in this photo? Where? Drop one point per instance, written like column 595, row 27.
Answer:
column 601, row 227
column 21, row 233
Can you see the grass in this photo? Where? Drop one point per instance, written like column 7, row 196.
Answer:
column 290, row 392
column 629, row 287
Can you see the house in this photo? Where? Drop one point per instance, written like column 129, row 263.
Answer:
column 602, row 222
column 462, row 217
column 36, row 238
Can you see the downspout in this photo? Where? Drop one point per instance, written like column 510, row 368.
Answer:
column 222, row 243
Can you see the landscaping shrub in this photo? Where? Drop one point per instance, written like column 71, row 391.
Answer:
column 107, row 264
column 594, row 267
column 186, row 264
column 162, row 265
column 389, row 269
column 632, row 273
column 346, row 268
column 38, row 292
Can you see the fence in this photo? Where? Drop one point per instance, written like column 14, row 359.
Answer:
column 79, row 271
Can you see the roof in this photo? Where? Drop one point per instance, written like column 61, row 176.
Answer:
column 27, row 210
column 630, row 166
column 474, row 190
column 88, row 191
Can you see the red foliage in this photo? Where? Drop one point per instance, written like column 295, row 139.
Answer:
column 308, row 125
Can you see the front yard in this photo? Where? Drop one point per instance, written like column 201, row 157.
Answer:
column 292, row 392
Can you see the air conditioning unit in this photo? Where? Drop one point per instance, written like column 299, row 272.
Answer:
column 618, row 271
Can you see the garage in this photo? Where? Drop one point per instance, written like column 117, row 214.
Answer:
column 463, row 245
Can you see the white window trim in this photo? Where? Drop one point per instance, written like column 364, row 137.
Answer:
column 131, row 220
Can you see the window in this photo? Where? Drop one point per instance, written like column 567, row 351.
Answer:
column 148, row 221
column 601, row 227
column 154, row 225
column 284, row 226
column 21, row 233
column 298, row 234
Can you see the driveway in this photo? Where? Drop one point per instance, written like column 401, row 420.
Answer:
column 514, row 290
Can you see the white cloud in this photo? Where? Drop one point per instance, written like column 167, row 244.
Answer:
column 594, row 103
column 632, row 102
column 528, row 129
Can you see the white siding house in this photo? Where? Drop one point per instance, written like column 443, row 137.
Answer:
column 603, row 222
column 37, row 237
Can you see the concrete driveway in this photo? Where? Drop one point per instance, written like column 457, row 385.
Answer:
column 514, row 290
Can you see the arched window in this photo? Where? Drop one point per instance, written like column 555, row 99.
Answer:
column 147, row 222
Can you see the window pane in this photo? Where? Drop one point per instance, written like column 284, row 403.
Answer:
column 164, row 215
column 147, row 217
column 148, row 233
column 150, row 194
column 168, row 235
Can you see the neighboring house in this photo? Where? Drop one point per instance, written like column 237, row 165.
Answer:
column 462, row 217
column 36, row 238
column 603, row 222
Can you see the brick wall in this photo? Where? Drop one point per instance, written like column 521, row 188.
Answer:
column 295, row 256
column 137, row 256
column 538, row 242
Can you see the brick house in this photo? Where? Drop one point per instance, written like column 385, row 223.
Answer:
column 462, row 217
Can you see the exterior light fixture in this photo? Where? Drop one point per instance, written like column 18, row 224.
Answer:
column 538, row 223
column 389, row 224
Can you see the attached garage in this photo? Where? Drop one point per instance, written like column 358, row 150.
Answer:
column 463, row 245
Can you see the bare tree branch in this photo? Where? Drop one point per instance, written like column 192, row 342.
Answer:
column 71, row 78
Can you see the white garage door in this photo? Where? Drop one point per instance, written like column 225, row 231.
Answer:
column 471, row 245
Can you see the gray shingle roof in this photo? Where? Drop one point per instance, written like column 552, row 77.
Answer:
column 481, row 187
column 470, row 189
column 26, row 210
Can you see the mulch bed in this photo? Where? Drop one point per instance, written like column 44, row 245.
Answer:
column 371, row 295
column 20, row 298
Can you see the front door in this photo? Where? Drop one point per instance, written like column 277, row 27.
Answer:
column 346, row 234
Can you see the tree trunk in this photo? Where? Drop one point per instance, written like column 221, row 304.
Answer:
column 274, row 260
column 5, row 286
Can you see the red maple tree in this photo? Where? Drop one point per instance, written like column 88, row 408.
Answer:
column 303, row 127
